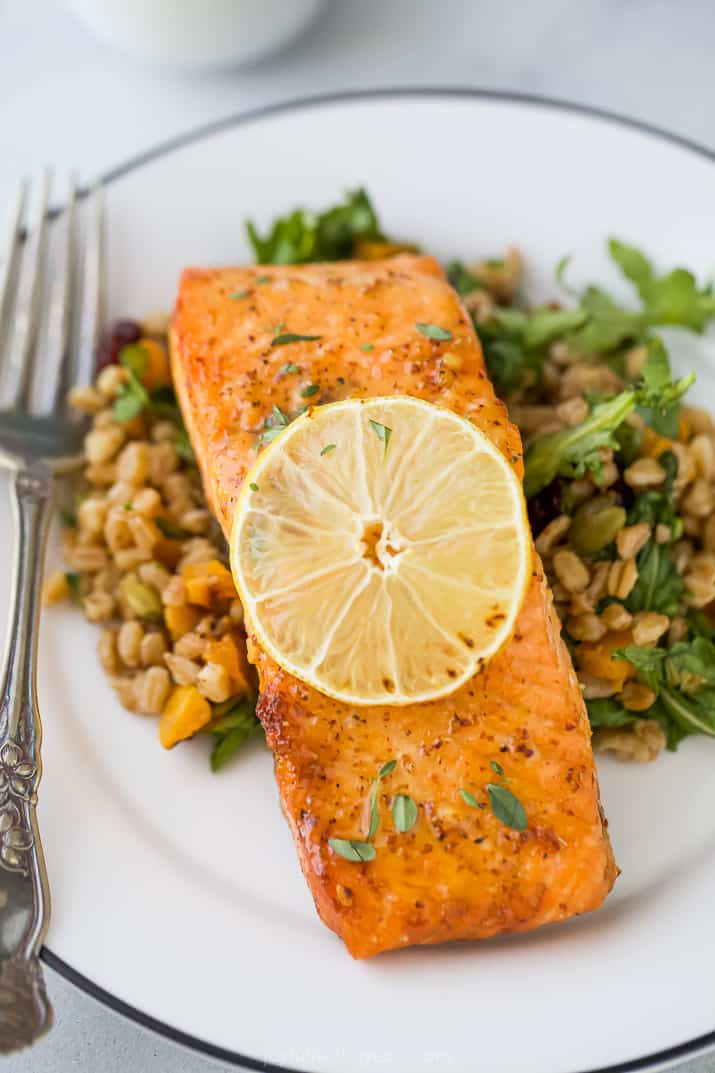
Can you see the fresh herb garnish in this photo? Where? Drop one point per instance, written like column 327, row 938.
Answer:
column 237, row 295
column 253, row 486
column 373, row 807
column 352, row 849
column 273, row 425
column 328, row 449
column 305, row 236
column 68, row 519
column 73, row 584
column 263, row 279
column 607, row 712
column 670, row 299
column 433, row 331
column 496, row 768
column 470, row 799
column 293, row 337
column 233, row 723
column 366, row 347
column 404, row 813
column 128, row 506
column 506, row 807
column 462, row 279
column 169, row 529
column 575, row 450
column 383, row 433
column 309, row 390
column 289, row 367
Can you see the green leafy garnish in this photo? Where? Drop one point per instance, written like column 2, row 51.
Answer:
column 575, row 450
column 374, row 812
column 366, row 347
column 133, row 397
column 352, row 849
column 670, row 299
column 470, row 799
column 404, row 813
column 73, row 584
column 253, row 486
column 608, row 713
column 169, row 529
column 328, row 449
column 433, row 331
column 648, row 662
column 309, row 390
column 305, row 236
column 506, row 807
column 659, row 586
column 462, row 279
column 233, row 724
column 68, row 519
column 383, row 433
column 273, row 425
column 237, row 295
column 289, row 367
column 293, row 337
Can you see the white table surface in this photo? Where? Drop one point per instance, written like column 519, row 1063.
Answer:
column 71, row 101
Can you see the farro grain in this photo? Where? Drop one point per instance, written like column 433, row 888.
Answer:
column 699, row 500
column 195, row 520
column 682, row 552
column 599, row 580
column 235, row 612
column 116, row 529
column 121, row 494
column 686, row 467
column 86, row 558
column 699, row 420
column 552, row 534
column 144, row 531
column 86, row 399
column 631, row 539
column 151, row 690
column 101, row 475
column 702, row 452
column 163, row 430
column 147, row 502
column 92, row 514
column 124, row 687
column 586, row 627
column 131, row 558
column 103, row 418
column 662, row 533
column 679, row 630
column 153, row 573
column 616, row 617
column 183, row 670
column 133, row 463
column 642, row 742
column 190, row 646
column 571, row 571
column 163, row 461
column 129, row 641
column 595, row 688
column 152, row 648
column 107, row 651
column 635, row 360
column 99, row 606
column 573, row 411
column 213, row 682
column 110, row 380
column 644, row 473
column 622, row 576
column 102, row 444
column 709, row 533
column 198, row 550
column 174, row 595
column 649, row 627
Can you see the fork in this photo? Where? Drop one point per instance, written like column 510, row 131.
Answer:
column 42, row 353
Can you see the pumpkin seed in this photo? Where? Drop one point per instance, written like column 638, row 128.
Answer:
column 595, row 524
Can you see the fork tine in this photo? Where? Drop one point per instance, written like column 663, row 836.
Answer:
column 15, row 368
column 47, row 379
column 8, row 249
column 92, row 287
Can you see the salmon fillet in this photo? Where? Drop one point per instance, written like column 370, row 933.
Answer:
column 459, row 873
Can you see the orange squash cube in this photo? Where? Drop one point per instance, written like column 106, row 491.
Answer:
column 185, row 712
column 157, row 372
column 596, row 658
column 180, row 620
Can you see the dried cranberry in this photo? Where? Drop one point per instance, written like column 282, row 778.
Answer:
column 119, row 334
column 545, row 506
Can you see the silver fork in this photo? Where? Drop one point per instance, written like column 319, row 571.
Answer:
column 42, row 354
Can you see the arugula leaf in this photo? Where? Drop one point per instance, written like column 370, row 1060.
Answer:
column 234, row 723
column 670, row 299
column 608, row 325
column 571, row 452
column 606, row 712
column 659, row 586
column 404, row 813
column 132, row 398
column 304, row 236
column 695, row 715
column 352, row 849
column 691, row 664
column 649, row 662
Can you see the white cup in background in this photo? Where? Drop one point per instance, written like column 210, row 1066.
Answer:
column 196, row 34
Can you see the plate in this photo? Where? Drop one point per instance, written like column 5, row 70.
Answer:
column 177, row 893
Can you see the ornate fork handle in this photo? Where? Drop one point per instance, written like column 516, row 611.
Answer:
column 25, row 1012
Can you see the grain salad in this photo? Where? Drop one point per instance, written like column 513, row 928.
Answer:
column 619, row 478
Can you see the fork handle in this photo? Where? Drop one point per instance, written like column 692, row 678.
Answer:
column 25, row 1011
column 32, row 493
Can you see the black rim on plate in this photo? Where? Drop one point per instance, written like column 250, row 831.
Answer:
column 652, row 1062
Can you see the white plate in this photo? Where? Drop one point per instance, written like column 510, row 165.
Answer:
column 178, row 892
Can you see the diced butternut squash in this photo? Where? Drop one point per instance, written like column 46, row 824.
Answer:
column 185, row 712
column 208, row 582
column 180, row 620
column 653, row 444
column 157, row 372
column 595, row 658
column 230, row 654
column 371, row 250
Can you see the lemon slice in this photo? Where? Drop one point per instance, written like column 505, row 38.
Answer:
column 381, row 550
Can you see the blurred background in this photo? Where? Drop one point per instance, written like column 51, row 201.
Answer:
column 95, row 82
